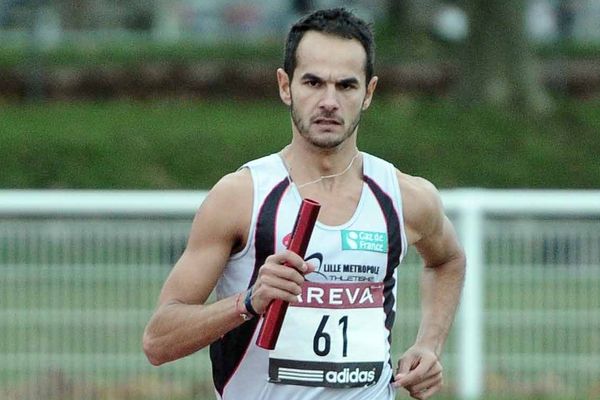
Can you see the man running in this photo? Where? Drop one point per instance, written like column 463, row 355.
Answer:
column 335, row 339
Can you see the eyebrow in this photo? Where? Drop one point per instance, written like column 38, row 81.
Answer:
column 348, row 81
column 345, row 81
column 311, row 77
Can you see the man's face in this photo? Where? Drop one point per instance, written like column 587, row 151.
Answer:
column 328, row 91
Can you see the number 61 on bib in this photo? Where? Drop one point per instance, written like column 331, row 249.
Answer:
column 334, row 336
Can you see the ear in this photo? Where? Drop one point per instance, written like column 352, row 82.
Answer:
column 370, row 90
column 283, row 80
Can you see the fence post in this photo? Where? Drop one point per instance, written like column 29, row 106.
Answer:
column 470, row 318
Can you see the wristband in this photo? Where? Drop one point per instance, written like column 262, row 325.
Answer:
column 241, row 309
column 248, row 304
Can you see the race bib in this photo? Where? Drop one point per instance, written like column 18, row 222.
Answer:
column 334, row 337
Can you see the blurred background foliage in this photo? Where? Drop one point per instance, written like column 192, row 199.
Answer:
column 190, row 144
column 157, row 94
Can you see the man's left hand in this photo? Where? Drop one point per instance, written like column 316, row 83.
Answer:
column 419, row 372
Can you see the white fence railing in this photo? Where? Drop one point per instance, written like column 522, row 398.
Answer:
column 74, row 263
column 471, row 209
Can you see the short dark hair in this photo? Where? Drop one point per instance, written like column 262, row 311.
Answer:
column 336, row 21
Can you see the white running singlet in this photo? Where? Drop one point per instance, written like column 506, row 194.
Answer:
column 335, row 342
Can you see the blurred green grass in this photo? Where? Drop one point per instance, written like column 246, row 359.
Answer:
column 190, row 144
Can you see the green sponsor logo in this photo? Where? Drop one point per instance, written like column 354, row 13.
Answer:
column 365, row 241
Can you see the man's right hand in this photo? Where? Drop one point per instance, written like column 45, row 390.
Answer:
column 280, row 277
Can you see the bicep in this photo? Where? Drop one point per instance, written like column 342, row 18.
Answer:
column 440, row 245
column 216, row 230
column 195, row 274
column 434, row 236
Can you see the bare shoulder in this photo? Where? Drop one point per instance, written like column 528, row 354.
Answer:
column 233, row 188
column 227, row 209
column 422, row 206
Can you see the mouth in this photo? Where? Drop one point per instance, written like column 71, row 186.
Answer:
column 321, row 121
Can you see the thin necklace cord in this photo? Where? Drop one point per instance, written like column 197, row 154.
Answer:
column 325, row 176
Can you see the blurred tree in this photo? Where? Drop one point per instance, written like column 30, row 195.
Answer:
column 401, row 29
column 398, row 16
column 498, row 65
column 302, row 6
column 36, row 18
column 76, row 13
column 565, row 18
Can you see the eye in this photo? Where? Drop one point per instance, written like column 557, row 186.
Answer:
column 347, row 85
column 312, row 83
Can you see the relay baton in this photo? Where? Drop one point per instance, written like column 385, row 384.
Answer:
column 273, row 318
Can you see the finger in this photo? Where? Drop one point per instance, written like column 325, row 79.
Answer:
column 416, row 375
column 427, row 393
column 404, row 366
column 291, row 259
column 310, row 268
column 274, row 293
column 281, row 272
column 426, row 383
column 265, row 295
column 287, row 285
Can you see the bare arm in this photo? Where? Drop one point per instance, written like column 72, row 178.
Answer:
column 183, row 323
column 419, row 369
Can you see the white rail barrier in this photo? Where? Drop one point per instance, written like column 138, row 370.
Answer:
column 471, row 206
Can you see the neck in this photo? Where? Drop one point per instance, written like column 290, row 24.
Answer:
column 308, row 166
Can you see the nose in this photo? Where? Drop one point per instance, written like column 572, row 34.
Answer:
column 329, row 102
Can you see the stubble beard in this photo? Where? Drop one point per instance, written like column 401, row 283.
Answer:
column 323, row 141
